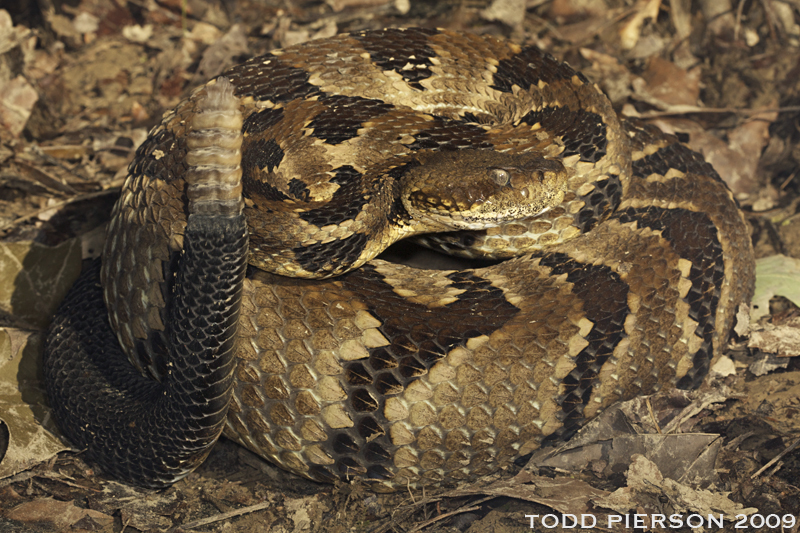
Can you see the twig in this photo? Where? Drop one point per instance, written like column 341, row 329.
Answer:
column 738, row 26
column 776, row 458
column 772, row 23
column 652, row 415
column 788, row 180
column 690, row 109
column 225, row 516
column 44, row 179
column 393, row 520
column 607, row 24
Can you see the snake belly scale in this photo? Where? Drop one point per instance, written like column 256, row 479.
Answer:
column 622, row 258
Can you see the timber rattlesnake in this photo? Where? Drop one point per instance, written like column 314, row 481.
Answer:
column 625, row 282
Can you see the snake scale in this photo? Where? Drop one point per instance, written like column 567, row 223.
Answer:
column 619, row 260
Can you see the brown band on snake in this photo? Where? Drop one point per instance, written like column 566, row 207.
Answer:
column 585, row 131
column 607, row 314
column 449, row 134
column 283, row 84
column 408, row 53
column 333, row 255
column 600, row 203
column 329, row 126
column 693, row 237
column 346, row 203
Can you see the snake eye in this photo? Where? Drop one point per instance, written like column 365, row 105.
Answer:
column 499, row 175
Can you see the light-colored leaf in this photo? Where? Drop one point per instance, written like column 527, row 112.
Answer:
column 644, row 478
column 776, row 275
column 781, row 338
column 34, row 278
column 61, row 516
column 23, row 407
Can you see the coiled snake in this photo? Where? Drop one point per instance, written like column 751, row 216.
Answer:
column 624, row 259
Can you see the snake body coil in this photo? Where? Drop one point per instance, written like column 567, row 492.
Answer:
column 625, row 259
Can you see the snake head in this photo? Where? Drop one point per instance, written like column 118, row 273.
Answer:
column 478, row 189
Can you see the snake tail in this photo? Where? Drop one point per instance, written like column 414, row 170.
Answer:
column 178, row 417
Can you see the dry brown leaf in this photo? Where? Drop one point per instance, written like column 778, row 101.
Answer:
column 776, row 275
column 143, row 509
column 612, row 76
column 340, row 5
column 631, row 31
column 767, row 364
column 573, row 9
column 773, row 397
column 59, row 515
column 681, row 17
column 138, row 33
column 607, row 442
column 510, row 12
column 23, row 407
column 17, row 98
column 785, row 15
column 645, row 479
column 10, row 35
column 562, row 494
column 781, row 338
column 667, row 83
column 737, row 161
column 221, row 55
column 687, row 457
column 719, row 15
